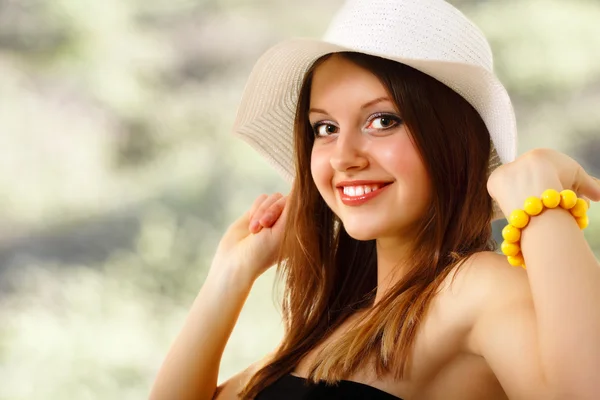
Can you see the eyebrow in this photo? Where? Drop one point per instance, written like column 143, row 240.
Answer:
column 366, row 105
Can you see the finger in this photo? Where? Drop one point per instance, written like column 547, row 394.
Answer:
column 241, row 225
column 259, row 200
column 590, row 187
column 255, row 225
column 272, row 214
column 282, row 220
column 265, row 205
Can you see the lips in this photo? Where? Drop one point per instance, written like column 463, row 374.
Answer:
column 356, row 193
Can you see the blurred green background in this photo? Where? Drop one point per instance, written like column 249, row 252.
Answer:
column 118, row 172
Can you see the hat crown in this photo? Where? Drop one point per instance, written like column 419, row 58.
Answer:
column 419, row 29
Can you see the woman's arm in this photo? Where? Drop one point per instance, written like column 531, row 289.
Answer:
column 550, row 335
column 565, row 284
column 191, row 368
column 248, row 248
column 508, row 333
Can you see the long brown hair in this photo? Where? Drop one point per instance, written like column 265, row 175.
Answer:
column 329, row 275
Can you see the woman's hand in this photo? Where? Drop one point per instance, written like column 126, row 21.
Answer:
column 251, row 244
column 534, row 172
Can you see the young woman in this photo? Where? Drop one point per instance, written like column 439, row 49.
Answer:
column 394, row 129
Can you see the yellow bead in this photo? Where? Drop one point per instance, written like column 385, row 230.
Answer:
column 551, row 198
column 511, row 234
column 510, row 249
column 583, row 222
column 516, row 261
column 533, row 206
column 518, row 219
column 580, row 208
column 568, row 198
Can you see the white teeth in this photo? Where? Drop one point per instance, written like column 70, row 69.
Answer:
column 356, row 191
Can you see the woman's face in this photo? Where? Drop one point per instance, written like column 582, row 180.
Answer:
column 363, row 161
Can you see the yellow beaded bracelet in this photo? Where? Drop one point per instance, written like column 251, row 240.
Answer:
column 518, row 219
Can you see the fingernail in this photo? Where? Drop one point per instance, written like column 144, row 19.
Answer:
column 254, row 225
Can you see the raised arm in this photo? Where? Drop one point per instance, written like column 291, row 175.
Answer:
column 540, row 331
column 190, row 370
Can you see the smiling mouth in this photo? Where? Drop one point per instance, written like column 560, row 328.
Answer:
column 360, row 194
column 361, row 190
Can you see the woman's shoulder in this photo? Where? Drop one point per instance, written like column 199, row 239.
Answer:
column 489, row 275
column 481, row 283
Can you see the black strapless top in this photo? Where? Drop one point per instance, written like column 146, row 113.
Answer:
column 291, row 387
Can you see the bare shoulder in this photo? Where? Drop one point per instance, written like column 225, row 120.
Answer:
column 229, row 389
column 483, row 283
column 502, row 326
column 488, row 277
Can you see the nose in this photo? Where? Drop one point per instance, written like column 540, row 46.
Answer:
column 348, row 153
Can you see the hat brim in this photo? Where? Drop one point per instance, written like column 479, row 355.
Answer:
column 265, row 118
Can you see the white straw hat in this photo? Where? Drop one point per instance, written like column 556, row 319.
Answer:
column 429, row 35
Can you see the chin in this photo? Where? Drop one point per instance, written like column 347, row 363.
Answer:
column 373, row 228
column 361, row 233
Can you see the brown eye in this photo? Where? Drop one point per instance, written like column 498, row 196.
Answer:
column 325, row 129
column 383, row 122
column 386, row 122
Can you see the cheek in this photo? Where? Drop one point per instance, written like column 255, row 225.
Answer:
column 402, row 159
column 321, row 170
